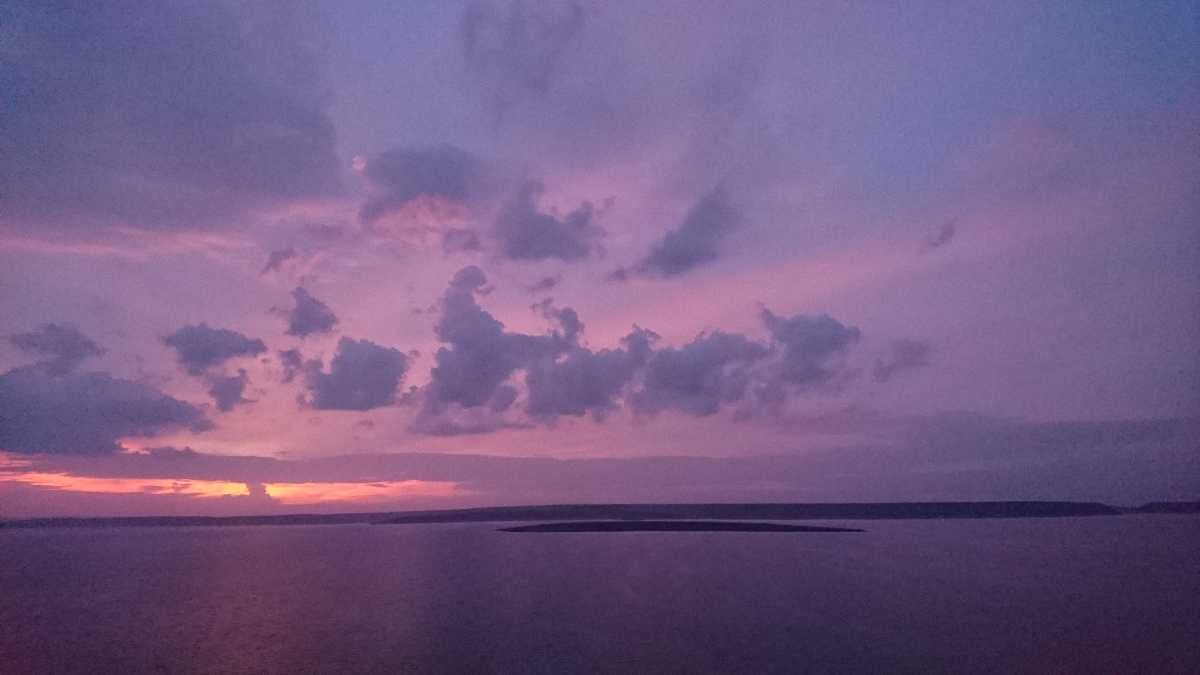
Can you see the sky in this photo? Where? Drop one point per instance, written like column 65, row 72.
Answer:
column 273, row 257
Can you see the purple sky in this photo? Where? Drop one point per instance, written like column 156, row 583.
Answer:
column 270, row 257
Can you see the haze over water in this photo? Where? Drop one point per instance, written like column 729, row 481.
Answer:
column 1070, row 595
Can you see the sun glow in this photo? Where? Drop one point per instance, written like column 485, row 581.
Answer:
column 316, row 493
column 149, row 486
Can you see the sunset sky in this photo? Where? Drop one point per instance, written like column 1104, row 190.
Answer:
column 336, row 256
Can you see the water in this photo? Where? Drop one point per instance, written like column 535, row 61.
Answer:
column 1087, row 595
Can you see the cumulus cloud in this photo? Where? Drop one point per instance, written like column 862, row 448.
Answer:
column 292, row 362
column 227, row 390
column 403, row 174
column 62, row 347
column 362, row 376
column 470, row 388
column 524, row 232
column 83, row 413
column 809, row 345
column 514, row 51
column 567, row 318
column 695, row 242
column 165, row 115
column 585, row 381
column 905, row 354
column 699, row 377
column 481, row 355
column 310, row 316
column 199, row 347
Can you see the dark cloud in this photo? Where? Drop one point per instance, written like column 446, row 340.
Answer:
column 503, row 398
column 545, row 284
column 156, row 114
column 227, row 390
column 943, row 236
column 567, row 318
column 523, row 232
column 809, row 345
column 695, row 242
column 170, row 452
column 83, row 413
column 277, row 258
column 362, row 376
column 481, row 355
column 310, row 316
column 460, row 240
column 904, row 354
column 403, row 174
column 699, row 377
column 515, row 50
column 565, row 377
column 292, row 362
column 585, row 381
column 63, row 347
column 199, row 347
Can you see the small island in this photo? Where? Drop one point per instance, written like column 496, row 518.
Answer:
column 670, row 526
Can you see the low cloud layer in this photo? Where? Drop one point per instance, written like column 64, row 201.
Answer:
column 937, row 458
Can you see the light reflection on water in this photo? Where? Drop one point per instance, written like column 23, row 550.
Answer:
column 1111, row 594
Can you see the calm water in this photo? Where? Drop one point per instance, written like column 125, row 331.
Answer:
column 1112, row 594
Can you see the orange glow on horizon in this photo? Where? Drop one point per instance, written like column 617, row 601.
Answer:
column 150, row 486
column 283, row 493
column 315, row 493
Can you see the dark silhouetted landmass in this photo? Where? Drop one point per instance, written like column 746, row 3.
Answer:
column 861, row 511
column 670, row 526
column 1169, row 507
column 575, row 512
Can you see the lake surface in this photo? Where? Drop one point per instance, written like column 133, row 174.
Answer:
column 1086, row 595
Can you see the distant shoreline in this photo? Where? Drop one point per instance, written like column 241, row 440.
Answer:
column 576, row 512
column 669, row 526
